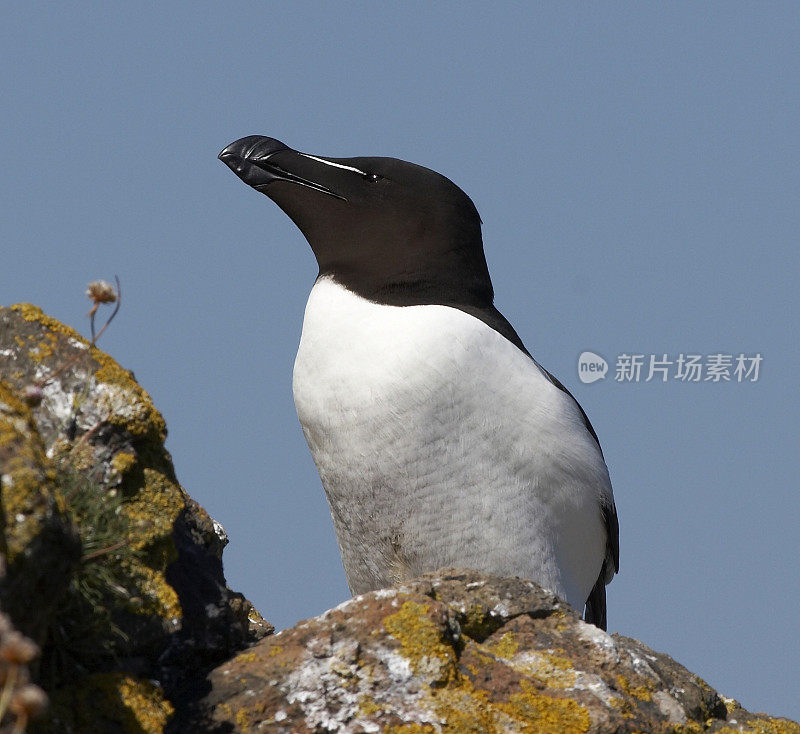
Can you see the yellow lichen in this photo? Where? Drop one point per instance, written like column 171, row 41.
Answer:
column 245, row 657
column 422, row 643
column 464, row 708
column 25, row 478
column 81, row 457
column 225, row 709
column 731, row 704
column 548, row 714
column 147, row 704
column 641, row 692
column 691, row 727
column 368, row 707
column 553, row 670
column 111, row 702
column 454, row 698
column 153, row 511
column 243, row 719
column 12, row 405
column 772, row 726
column 29, row 312
column 158, row 597
column 762, row 726
column 506, row 647
column 138, row 415
column 41, row 351
column 122, row 462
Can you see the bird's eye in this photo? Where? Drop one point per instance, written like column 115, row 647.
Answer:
column 372, row 177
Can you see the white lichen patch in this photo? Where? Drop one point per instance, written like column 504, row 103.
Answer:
column 642, row 667
column 60, row 403
column 398, row 667
column 384, row 593
column 602, row 641
column 341, row 607
column 220, row 531
column 327, row 689
column 670, row 707
column 115, row 400
column 595, row 685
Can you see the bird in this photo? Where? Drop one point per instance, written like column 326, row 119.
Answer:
column 439, row 439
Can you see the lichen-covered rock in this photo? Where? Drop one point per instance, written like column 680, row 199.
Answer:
column 111, row 702
column 38, row 542
column 112, row 567
column 457, row 651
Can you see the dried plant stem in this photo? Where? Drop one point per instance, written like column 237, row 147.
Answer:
column 110, row 318
column 42, row 382
column 104, row 551
column 8, row 690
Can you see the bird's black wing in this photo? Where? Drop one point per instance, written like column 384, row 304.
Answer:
column 596, row 603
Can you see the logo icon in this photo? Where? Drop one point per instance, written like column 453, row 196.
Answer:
column 591, row 367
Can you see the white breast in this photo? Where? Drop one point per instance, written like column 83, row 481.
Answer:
column 439, row 443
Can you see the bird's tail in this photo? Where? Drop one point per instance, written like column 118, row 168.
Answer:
column 596, row 603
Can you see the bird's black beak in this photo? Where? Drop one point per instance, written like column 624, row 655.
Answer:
column 259, row 161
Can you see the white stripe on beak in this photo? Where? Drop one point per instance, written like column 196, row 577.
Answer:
column 335, row 165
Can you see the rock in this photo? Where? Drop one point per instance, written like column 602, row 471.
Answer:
column 116, row 574
column 39, row 544
column 111, row 567
column 458, row 651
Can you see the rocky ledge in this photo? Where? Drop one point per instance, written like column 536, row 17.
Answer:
column 113, row 574
column 457, row 651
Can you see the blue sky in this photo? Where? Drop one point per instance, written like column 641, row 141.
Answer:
column 637, row 169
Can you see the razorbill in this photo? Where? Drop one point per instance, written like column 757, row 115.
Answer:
column 440, row 441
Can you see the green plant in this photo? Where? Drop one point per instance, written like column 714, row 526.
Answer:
column 84, row 635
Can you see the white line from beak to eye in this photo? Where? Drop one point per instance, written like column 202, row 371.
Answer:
column 335, row 165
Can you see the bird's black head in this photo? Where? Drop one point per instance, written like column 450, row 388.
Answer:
column 391, row 231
